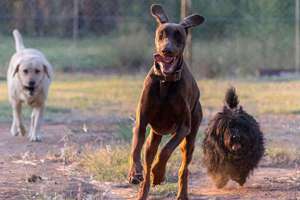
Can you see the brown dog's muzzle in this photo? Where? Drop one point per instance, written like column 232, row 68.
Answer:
column 169, row 77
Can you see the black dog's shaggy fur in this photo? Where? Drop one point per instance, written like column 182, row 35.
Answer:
column 233, row 143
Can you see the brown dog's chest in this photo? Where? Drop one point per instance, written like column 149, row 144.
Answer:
column 165, row 119
column 167, row 109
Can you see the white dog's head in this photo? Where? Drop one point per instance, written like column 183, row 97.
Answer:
column 31, row 73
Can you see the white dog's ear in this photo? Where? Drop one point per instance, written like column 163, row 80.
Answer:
column 16, row 70
column 46, row 71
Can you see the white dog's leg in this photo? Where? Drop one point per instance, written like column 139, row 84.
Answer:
column 17, row 125
column 36, row 121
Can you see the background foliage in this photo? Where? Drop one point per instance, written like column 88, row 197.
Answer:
column 239, row 36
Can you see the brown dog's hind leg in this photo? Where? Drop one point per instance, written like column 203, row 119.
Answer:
column 187, row 148
column 135, row 175
column 159, row 168
column 152, row 144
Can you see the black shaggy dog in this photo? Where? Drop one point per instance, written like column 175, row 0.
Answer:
column 233, row 143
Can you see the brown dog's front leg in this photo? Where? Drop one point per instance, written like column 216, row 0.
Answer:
column 187, row 148
column 159, row 167
column 152, row 144
column 135, row 175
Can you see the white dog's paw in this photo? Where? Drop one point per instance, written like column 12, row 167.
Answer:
column 35, row 138
column 16, row 130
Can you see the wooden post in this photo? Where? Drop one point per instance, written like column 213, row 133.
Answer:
column 75, row 29
column 185, row 11
column 75, row 19
column 297, row 39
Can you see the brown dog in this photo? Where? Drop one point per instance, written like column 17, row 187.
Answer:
column 169, row 103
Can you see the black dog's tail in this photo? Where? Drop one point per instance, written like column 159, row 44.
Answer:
column 231, row 98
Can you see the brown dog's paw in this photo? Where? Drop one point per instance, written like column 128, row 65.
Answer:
column 182, row 198
column 158, row 175
column 135, row 177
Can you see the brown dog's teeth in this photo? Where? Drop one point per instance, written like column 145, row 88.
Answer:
column 163, row 59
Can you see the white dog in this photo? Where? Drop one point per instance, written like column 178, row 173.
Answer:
column 28, row 77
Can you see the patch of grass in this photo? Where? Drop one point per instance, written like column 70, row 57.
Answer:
column 100, row 95
column 164, row 191
column 118, row 95
column 107, row 164
column 51, row 112
column 257, row 97
column 125, row 131
column 112, row 163
column 282, row 156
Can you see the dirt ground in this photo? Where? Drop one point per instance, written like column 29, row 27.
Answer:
column 45, row 170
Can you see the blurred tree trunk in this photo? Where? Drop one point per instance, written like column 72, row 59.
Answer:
column 18, row 10
column 38, row 17
column 64, row 21
column 87, row 10
column 185, row 11
column 75, row 19
column 40, row 14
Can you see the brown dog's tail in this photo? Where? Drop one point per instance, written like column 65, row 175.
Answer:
column 231, row 98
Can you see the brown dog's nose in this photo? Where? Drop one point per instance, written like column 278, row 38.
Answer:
column 167, row 51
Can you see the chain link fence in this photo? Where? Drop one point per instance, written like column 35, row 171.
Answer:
column 239, row 36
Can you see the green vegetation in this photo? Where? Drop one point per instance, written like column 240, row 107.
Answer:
column 107, row 164
column 133, row 52
column 102, row 53
column 237, row 38
column 118, row 95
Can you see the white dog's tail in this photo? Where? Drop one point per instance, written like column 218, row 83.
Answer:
column 18, row 40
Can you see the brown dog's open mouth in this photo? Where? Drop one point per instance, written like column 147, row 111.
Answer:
column 167, row 63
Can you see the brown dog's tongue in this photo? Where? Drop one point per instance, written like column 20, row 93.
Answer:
column 163, row 59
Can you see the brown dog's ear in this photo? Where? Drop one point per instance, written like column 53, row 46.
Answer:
column 192, row 20
column 46, row 71
column 158, row 13
column 16, row 70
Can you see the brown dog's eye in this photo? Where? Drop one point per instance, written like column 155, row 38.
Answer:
column 25, row 71
column 177, row 36
column 37, row 71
